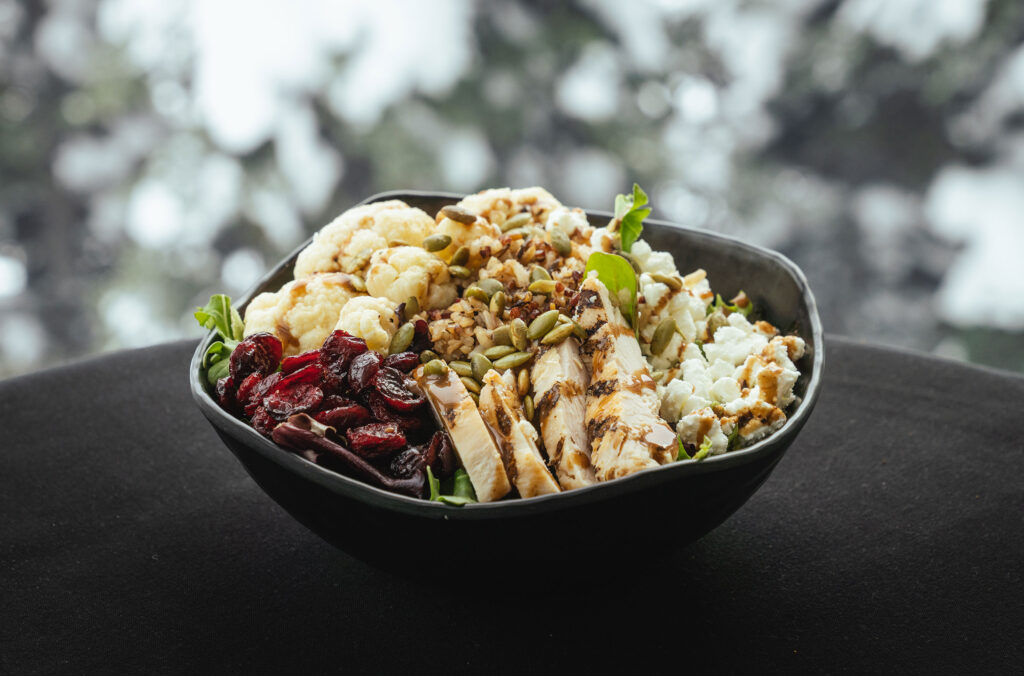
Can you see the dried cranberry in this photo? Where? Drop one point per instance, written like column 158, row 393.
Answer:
column 341, row 346
column 307, row 375
column 226, row 394
column 247, row 387
column 409, row 422
column 259, row 353
column 403, row 361
column 344, row 416
column 284, row 402
column 375, row 439
column 421, row 337
column 362, row 370
column 406, row 464
column 261, row 390
column 440, row 455
column 292, row 364
column 391, row 385
column 262, row 422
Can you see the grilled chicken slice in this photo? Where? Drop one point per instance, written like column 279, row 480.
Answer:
column 560, row 386
column 457, row 413
column 502, row 410
column 626, row 433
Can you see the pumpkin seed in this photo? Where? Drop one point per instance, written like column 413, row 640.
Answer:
column 459, row 271
column 517, row 333
column 457, row 213
column 538, row 273
column 540, row 326
column 402, row 339
column 412, row 308
column 517, row 232
column 461, row 368
column 437, row 241
column 480, row 365
column 662, row 335
column 510, row 361
column 475, row 397
column 471, row 385
column 460, row 257
column 578, row 331
column 498, row 351
column 490, row 285
column 435, row 367
column 528, row 407
column 562, row 319
column 544, row 286
column 476, row 292
column 560, row 241
column 557, row 334
column 657, row 374
column 671, row 282
column 357, row 283
column 502, row 335
column 497, row 305
column 523, row 382
column 428, row 356
column 516, row 221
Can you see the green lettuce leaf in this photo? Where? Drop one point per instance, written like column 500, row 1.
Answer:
column 617, row 275
column 631, row 212
column 462, row 490
column 682, row 454
column 435, row 486
column 705, row 448
column 220, row 316
column 721, row 304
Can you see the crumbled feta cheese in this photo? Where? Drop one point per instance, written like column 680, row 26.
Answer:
column 572, row 222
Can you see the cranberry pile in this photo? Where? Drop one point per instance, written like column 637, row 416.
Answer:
column 344, row 407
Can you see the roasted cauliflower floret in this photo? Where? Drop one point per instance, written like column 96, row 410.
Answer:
column 481, row 238
column 499, row 204
column 303, row 312
column 404, row 271
column 375, row 320
column 346, row 243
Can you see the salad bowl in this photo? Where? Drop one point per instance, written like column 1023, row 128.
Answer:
column 652, row 511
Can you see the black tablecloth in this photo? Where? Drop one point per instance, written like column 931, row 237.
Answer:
column 889, row 537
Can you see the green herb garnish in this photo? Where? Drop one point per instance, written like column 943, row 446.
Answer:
column 682, row 454
column 705, row 448
column 734, row 437
column 722, row 305
column 630, row 212
column 617, row 275
column 435, row 485
column 460, row 487
column 225, row 320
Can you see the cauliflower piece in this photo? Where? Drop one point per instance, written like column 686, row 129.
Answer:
column 400, row 272
column 373, row 319
column 346, row 243
column 303, row 313
column 499, row 204
column 482, row 239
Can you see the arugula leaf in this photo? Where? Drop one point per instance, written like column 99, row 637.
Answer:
column 617, row 275
column 630, row 213
column 462, row 490
column 705, row 448
column 435, row 485
column 219, row 315
column 217, row 371
column 745, row 310
column 217, row 351
column 682, row 454
column 734, row 437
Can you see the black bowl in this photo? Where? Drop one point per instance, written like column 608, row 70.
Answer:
column 653, row 510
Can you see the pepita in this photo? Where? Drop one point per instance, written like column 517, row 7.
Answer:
column 537, row 273
column 513, row 360
column 671, row 282
column 578, row 331
column 480, row 365
column 523, row 382
column 435, row 367
column 517, row 221
column 544, row 286
column 402, row 339
column 477, row 293
column 461, row 368
column 459, row 271
column 557, row 334
column 471, row 385
column 428, row 356
column 657, row 375
column 475, row 397
column 662, row 335
column 460, row 257
column 412, row 308
column 560, row 241
column 497, row 305
column 517, row 333
column 498, row 351
column 503, row 334
column 490, row 285
column 458, row 214
column 540, row 326
column 437, row 241
column 517, row 233
column 528, row 407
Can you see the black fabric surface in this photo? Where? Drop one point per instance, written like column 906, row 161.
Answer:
column 888, row 539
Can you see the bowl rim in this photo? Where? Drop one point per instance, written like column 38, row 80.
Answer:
column 377, row 497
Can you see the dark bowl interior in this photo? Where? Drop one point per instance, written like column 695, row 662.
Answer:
column 654, row 510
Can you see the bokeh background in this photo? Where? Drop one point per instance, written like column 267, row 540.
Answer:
column 152, row 153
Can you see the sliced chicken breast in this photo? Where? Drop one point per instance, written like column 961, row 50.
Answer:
column 560, row 387
column 460, row 417
column 625, row 431
column 502, row 410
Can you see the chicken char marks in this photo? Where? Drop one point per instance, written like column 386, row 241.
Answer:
column 622, row 422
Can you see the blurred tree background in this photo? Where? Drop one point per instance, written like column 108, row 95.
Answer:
column 154, row 153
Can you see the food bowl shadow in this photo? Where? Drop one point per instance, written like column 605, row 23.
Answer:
column 646, row 514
